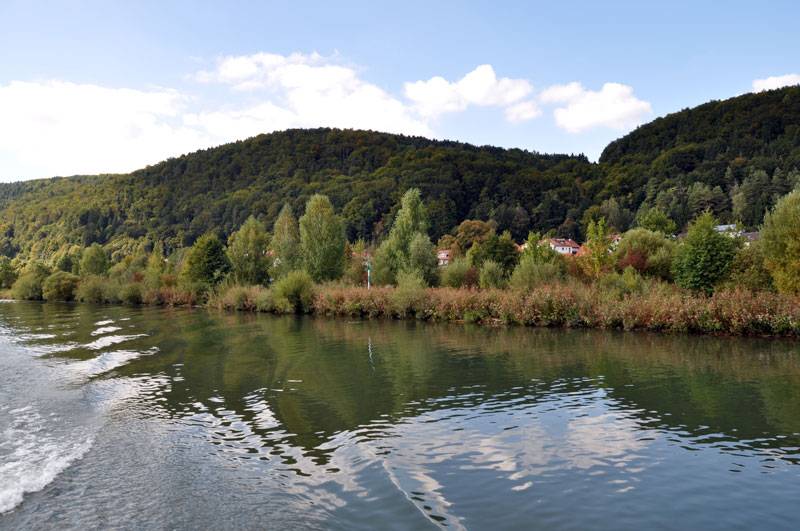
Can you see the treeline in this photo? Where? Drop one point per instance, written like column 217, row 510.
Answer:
column 733, row 158
column 286, row 265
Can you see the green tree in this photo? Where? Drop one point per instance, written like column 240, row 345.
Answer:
column 748, row 271
column 780, row 243
column 702, row 260
column 539, row 253
column 654, row 249
column 656, row 220
column 247, row 251
column 206, row 263
column 597, row 249
column 94, row 261
column 470, row 232
column 499, row 249
column 422, row 259
column 408, row 247
column 8, row 272
column 322, row 240
column 285, row 243
column 410, row 220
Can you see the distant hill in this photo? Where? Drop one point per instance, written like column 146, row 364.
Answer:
column 732, row 156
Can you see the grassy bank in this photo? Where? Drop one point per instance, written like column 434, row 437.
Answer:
column 640, row 305
column 665, row 308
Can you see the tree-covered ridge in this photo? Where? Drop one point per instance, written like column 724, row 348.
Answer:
column 215, row 190
column 703, row 157
column 733, row 157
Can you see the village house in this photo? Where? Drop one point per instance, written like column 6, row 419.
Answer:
column 443, row 256
column 564, row 246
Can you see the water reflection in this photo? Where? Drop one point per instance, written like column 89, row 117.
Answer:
column 462, row 424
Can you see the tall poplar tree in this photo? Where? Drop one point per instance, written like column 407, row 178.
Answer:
column 247, row 251
column 322, row 240
column 285, row 243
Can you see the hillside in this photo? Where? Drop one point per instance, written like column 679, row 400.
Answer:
column 732, row 156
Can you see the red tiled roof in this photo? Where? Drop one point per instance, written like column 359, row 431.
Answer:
column 564, row 242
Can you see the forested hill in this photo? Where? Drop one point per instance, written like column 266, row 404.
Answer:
column 733, row 156
column 363, row 173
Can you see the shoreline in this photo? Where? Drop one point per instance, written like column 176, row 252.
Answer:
column 560, row 305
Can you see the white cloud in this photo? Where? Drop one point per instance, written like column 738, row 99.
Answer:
column 614, row 106
column 438, row 96
column 64, row 128
column 302, row 91
column 522, row 112
column 775, row 82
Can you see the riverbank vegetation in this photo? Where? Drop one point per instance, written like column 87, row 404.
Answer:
column 708, row 282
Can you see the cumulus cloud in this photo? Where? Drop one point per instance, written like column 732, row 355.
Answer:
column 66, row 128
column 62, row 128
column 614, row 106
column 522, row 112
column 775, row 82
column 438, row 96
column 302, row 91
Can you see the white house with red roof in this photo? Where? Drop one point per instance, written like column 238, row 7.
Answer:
column 564, row 246
column 443, row 256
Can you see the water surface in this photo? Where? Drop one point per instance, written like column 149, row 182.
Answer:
column 186, row 419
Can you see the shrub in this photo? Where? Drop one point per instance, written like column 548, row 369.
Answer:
column 28, row 287
column 120, row 271
column 530, row 274
column 410, row 290
column 130, row 293
column 294, row 293
column 111, row 290
column 454, row 275
column 59, row 286
column 90, row 289
column 647, row 251
column 472, row 276
column 617, row 285
column 491, row 275
column 265, row 301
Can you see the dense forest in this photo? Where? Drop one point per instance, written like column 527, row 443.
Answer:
column 734, row 157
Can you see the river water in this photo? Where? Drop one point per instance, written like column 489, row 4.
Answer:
column 147, row 418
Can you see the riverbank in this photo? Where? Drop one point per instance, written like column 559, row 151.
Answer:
column 567, row 304
column 573, row 305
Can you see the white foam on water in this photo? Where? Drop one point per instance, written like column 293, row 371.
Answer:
column 32, row 453
column 107, row 341
column 106, row 330
column 107, row 361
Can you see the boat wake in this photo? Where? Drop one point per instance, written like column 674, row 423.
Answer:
column 33, row 453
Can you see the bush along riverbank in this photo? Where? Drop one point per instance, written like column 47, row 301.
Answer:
column 624, row 302
column 665, row 308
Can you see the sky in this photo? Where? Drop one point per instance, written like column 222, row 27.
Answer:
column 90, row 87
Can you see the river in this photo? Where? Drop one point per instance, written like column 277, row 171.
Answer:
column 150, row 418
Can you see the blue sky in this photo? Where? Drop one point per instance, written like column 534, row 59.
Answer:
column 95, row 87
